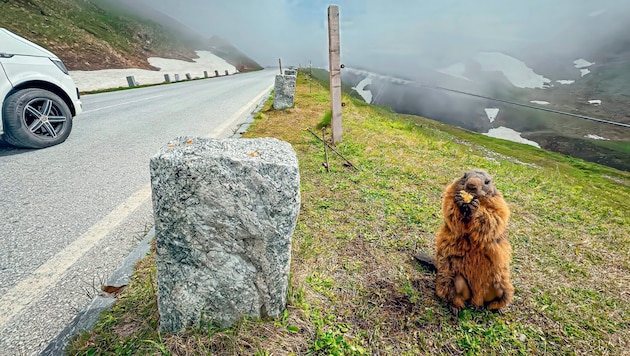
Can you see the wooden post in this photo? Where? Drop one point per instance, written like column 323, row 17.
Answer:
column 335, row 72
column 280, row 63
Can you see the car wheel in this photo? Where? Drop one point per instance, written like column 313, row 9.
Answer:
column 35, row 118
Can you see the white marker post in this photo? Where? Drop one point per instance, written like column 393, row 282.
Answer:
column 335, row 72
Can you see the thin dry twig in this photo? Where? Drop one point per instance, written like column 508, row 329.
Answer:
column 327, row 164
column 333, row 149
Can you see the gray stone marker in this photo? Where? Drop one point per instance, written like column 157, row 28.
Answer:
column 216, row 73
column 225, row 212
column 188, row 76
column 226, row 72
column 205, row 74
column 284, row 91
column 177, row 77
column 167, row 78
column 131, row 80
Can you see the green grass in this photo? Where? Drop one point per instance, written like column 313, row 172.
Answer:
column 326, row 120
column 355, row 290
column 623, row 147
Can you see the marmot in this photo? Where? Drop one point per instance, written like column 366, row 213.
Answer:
column 472, row 250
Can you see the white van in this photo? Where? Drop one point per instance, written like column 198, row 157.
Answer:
column 39, row 99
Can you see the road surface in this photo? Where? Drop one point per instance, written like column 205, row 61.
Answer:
column 69, row 214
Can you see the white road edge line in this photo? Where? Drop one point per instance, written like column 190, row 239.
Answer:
column 20, row 296
column 16, row 299
column 237, row 115
column 121, row 104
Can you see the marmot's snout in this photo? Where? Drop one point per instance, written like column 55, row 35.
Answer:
column 474, row 185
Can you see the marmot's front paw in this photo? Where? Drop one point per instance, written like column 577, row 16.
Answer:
column 455, row 311
column 474, row 204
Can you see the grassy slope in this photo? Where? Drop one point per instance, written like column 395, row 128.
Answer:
column 354, row 287
column 88, row 37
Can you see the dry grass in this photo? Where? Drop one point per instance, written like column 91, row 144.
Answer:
column 355, row 288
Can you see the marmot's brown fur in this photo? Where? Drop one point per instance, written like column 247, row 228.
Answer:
column 473, row 252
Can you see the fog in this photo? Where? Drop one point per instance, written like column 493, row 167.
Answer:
column 566, row 54
column 402, row 33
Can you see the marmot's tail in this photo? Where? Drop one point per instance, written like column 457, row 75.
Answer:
column 426, row 261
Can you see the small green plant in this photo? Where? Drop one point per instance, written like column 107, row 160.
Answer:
column 331, row 339
column 325, row 122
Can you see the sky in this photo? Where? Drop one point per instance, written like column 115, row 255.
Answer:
column 429, row 33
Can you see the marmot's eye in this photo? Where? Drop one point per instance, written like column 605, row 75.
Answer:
column 487, row 181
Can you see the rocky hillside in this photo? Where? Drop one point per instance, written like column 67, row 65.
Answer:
column 99, row 34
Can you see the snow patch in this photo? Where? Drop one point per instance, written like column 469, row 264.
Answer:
column 492, row 113
column 595, row 137
column 365, row 94
column 582, row 63
column 114, row 78
column 511, row 135
column 516, row 71
column 596, row 102
column 565, row 82
column 540, row 102
column 456, row 70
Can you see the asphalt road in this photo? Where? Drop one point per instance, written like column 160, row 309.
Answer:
column 69, row 214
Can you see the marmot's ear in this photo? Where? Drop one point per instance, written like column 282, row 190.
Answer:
column 465, row 175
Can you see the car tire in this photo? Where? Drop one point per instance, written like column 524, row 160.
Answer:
column 35, row 118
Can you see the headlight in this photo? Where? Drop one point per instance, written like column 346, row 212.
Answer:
column 60, row 65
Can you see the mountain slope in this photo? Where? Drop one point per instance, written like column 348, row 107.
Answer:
column 231, row 54
column 583, row 69
column 602, row 143
column 218, row 46
column 92, row 35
